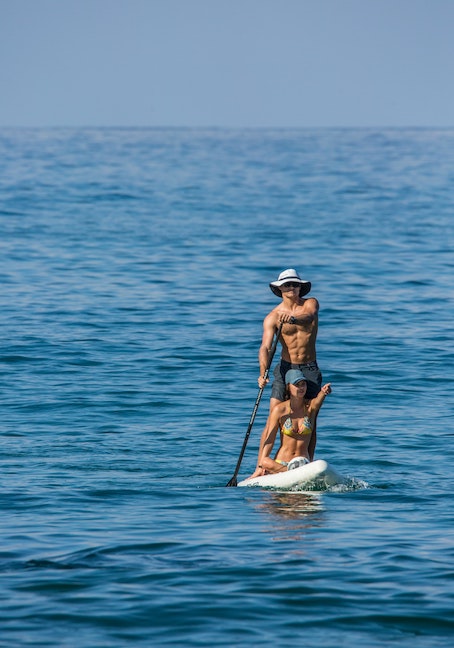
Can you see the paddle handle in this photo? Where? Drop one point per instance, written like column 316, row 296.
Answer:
column 233, row 481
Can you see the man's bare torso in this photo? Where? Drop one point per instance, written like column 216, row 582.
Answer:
column 299, row 339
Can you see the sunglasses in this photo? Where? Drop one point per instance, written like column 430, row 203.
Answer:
column 290, row 284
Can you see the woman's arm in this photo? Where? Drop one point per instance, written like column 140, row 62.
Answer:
column 317, row 402
column 270, row 431
column 268, row 438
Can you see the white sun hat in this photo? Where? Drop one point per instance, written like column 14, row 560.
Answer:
column 290, row 276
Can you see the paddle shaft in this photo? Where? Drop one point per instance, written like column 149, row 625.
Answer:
column 233, row 481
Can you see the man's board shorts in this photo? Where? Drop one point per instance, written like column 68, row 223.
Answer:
column 311, row 372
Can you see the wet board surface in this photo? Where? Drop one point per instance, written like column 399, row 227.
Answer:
column 318, row 470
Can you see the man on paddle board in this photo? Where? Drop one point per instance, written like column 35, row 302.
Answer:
column 298, row 335
column 295, row 418
column 298, row 340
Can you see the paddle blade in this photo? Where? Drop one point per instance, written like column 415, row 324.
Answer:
column 233, row 482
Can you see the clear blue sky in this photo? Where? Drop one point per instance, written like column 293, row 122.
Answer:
column 278, row 63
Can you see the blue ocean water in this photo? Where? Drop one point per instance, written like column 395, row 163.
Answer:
column 134, row 268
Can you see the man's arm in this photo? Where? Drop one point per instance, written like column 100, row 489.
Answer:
column 269, row 328
column 312, row 308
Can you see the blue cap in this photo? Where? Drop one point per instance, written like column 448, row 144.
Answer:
column 294, row 376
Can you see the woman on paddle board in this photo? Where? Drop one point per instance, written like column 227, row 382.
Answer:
column 295, row 418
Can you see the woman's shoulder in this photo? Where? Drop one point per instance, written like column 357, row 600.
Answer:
column 281, row 409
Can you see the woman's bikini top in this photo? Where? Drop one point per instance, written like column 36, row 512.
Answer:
column 287, row 427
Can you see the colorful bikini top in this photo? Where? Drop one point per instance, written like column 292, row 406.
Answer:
column 287, row 427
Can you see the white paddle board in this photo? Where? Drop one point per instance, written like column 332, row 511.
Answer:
column 316, row 471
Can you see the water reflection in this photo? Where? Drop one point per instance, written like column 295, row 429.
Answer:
column 291, row 515
column 295, row 505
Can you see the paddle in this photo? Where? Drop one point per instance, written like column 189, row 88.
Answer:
column 234, row 481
